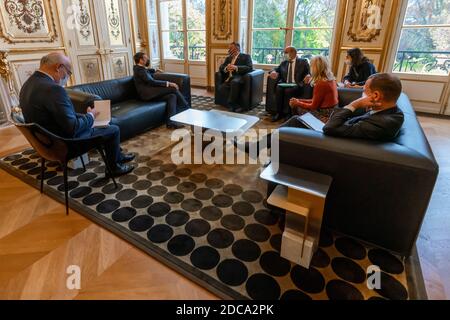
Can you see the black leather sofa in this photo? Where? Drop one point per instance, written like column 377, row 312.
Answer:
column 380, row 190
column 132, row 115
column 251, row 94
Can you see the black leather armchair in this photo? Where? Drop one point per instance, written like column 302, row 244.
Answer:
column 271, row 98
column 251, row 94
column 132, row 115
column 380, row 190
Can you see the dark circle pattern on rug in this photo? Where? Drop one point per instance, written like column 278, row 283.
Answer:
column 186, row 187
column 211, row 213
column 205, row 258
column 348, row 270
column 308, row 280
column 141, row 223
column 177, row 218
column 244, row 209
column 391, row 288
column 386, row 261
column 191, row 205
column 124, row 214
column 159, row 209
column 160, row 233
column 350, row 248
column 222, row 201
column 108, row 206
column 257, row 232
column 263, row 287
column 341, row 290
column 157, row 191
column 233, row 190
column 232, row 272
column 233, row 222
column 141, row 202
column 181, row 245
column 274, row 264
column 220, row 238
column 246, row 250
column 197, row 228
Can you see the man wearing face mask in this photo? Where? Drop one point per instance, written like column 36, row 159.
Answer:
column 148, row 88
column 383, row 118
column 293, row 70
column 44, row 101
column 233, row 68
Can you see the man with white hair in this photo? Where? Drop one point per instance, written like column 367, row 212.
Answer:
column 44, row 101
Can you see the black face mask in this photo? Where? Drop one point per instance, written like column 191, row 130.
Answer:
column 147, row 64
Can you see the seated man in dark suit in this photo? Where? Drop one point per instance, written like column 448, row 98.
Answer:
column 233, row 68
column 293, row 70
column 44, row 101
column 149, row 88
column 383, row 120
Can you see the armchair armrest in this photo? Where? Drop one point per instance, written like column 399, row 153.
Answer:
column 82, row 100
column 299, row 146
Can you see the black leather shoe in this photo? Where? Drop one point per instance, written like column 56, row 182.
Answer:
column 121, row 170
column 127, row 158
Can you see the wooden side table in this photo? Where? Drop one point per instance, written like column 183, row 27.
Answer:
column 302, row 193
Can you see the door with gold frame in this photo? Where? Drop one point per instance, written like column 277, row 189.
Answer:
column 98, row 38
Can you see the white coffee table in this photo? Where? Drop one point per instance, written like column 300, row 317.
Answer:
column 221, row 121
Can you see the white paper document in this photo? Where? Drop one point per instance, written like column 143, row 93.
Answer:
column 104, row 118
column 312, row 122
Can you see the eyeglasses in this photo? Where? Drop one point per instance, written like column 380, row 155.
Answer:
column 67, row 70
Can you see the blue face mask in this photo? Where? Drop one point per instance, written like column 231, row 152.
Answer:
column 63, row 80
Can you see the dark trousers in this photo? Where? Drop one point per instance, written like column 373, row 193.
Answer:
column 111, row 134
column 173, row 97
column 234, row 90
column 284, row 95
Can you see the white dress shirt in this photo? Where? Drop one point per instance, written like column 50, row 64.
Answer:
column 292, row 65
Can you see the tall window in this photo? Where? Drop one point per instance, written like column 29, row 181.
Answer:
column 305, row 24
column 183, row 29
column 424, row 45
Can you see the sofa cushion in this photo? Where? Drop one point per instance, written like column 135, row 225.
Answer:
column 135, row 116
column 116, row 90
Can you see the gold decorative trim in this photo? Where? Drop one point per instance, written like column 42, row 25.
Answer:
column 222, row 19
column 50, row 38
column 358, row 30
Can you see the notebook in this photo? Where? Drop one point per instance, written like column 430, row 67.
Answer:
column 104, row 118
column 312, row 122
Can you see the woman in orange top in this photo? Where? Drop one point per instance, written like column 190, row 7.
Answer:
column 325, row 95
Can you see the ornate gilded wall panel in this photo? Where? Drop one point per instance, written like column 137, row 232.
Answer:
column 366, row 20
column 222, row 20
column 27, row 21
column 114, row 21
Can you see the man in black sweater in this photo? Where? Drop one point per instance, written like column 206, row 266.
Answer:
column 234, row 67
column 149, row 88
column 383, row 118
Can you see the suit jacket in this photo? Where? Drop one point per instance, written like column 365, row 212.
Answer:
column 300, row 72
column 243, row 62
column 360, row 74
column 383, row 125
column 46, row 103
column 144, row 81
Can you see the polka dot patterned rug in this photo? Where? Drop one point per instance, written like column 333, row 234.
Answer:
column 212, row 224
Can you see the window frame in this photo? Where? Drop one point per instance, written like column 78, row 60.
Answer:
column 185, row 30
column 289, row 29
column 396, row 44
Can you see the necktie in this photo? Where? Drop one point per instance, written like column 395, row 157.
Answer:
column 289, row 80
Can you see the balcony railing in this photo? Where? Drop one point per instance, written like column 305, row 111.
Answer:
column 194, row 52
column 435, row 62
column 274, row 55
